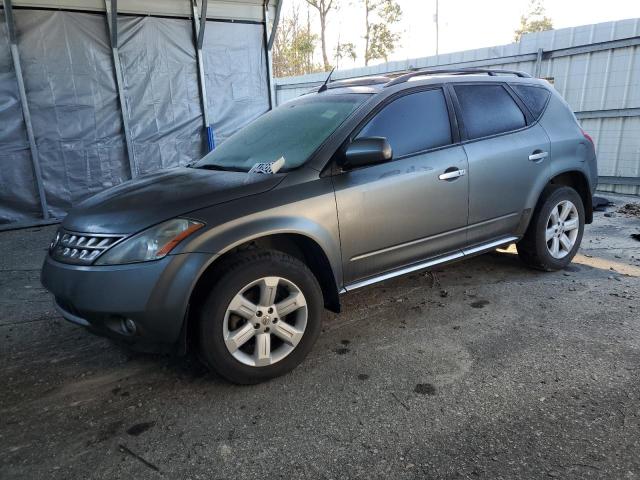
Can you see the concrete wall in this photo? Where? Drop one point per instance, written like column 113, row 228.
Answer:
column 595, row 67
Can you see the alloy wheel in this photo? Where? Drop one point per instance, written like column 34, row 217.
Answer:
column 562, row 230
column 265, row 321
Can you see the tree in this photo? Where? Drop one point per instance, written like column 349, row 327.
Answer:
column 345, row 50
column 294, row 47
column 380, row 40
column 323, row 7
column 535, row 20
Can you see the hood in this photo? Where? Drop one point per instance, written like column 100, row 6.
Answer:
column 150, row 199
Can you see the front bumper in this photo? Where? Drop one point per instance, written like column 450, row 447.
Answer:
column 155, row 295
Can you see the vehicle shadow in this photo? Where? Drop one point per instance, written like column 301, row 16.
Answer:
column 493, row 270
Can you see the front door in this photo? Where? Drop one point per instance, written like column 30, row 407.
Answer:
column 413, row 207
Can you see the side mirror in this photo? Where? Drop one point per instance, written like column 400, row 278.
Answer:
column 366, row 151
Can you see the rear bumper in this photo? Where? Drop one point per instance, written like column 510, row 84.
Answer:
column 155, row 295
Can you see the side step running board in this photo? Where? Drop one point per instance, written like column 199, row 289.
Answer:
column 466, row 252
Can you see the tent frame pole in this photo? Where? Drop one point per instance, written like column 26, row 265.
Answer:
column 26, row 114
column 268, row 43
column 199, row 24
column 111, row 8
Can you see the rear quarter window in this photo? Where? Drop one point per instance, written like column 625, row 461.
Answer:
column 535, row 98
column 488, row 110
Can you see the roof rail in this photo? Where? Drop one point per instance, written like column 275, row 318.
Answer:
column 454, row 71
column 354, row 82
column 359, row 81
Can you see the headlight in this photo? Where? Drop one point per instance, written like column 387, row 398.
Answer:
column 151, row 244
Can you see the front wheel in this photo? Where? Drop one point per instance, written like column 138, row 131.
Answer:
column 261, row 318
column 555, row 231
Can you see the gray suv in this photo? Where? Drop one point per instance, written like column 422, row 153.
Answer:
column 363, row 180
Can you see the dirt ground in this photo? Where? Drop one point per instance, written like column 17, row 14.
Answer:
column 482, row 369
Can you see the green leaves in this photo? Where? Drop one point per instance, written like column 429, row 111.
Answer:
column 294, row 47
column 381, row 40
column 534, row 21
column 346, row 50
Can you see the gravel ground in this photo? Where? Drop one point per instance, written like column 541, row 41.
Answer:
column 482, row 369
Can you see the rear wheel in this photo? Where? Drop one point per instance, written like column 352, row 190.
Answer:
column 555, row 232
column 261, row 318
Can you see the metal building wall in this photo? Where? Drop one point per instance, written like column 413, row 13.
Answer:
column 595, row 67
column 76, row 115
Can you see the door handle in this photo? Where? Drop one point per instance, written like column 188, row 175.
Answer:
column 538, row 155
column 450, row 175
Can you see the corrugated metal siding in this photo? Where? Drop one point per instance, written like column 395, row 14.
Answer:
column 601, row 82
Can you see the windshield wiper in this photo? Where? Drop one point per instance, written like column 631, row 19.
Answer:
column 211, row 166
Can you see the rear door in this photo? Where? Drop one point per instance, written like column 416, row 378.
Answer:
column 400, row 212
column 507, row 150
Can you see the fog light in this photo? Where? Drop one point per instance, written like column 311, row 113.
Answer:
column 128, row 326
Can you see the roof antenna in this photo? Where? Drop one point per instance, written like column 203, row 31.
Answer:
column 324, row 85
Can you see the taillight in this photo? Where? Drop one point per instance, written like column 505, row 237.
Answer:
column 588, row 137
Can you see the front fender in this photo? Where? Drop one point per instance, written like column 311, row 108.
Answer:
column 226, row 239
column 280, row 211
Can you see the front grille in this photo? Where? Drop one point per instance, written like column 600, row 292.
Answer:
column 81, row 248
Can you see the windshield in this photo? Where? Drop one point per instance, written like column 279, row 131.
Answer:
column 293, row 131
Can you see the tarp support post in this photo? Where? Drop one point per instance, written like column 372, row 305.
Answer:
column 111, row 7
column 35, row 157
column 274, row 27
column 268, row 42
column 199, row 24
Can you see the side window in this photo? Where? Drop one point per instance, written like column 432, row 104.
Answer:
column 488, row 109
column 535, row 98
column 412, row 123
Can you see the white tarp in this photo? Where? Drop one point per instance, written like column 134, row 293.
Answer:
column 18, row 193
column 70, row 85
column 66, row 64
column 161, row 91
column 235, row 75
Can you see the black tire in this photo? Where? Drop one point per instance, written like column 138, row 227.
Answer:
column 532, row 249
column 235, row 273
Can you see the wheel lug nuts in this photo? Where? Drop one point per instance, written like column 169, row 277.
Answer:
column 258, row 313
column 266, row 329
column 256, row 325
column 275, row 320
column 270, row 310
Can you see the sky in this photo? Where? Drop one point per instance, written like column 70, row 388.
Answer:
column 464, row 24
